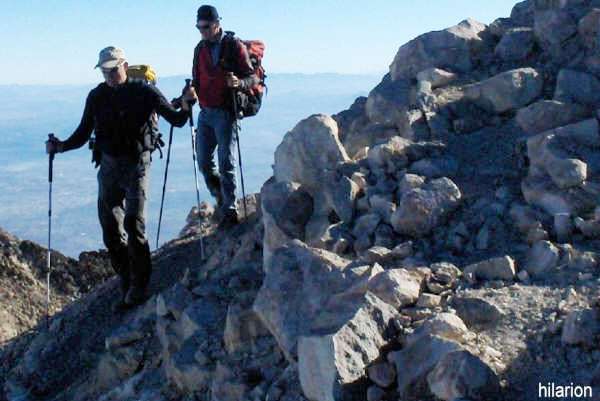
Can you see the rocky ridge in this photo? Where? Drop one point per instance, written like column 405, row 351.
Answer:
column 437, row 240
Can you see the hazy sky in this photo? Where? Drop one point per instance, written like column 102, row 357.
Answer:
column 57, row 41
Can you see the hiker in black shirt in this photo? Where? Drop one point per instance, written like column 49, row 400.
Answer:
column 119, row 112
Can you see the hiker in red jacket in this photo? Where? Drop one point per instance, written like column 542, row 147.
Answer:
column 221, row 65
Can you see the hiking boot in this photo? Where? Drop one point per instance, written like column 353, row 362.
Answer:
column 135, row 296
column 229, row 220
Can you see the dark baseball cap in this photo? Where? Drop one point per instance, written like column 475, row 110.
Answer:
column 207, row 13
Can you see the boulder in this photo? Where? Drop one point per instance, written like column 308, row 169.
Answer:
column 577, row 87
column 522, row 13
column 476, row 312
column 436, row 77
column 434, row 167
column 424, row 208
column 391, row 155
column 388, row 104
column 542, row 258
column 242, row 329
column 298, row 287
column 451, row 49
column 342, row 197
column 445, row 325
column 173, row 301
column 397, row 287
column 589, row 27
column 544, row 193
column 544, row 115
column 286, row 209
column 460, row 374
column 553, row 28
column 408, row 182
column 309, row 152
column 414, row 362
column 582, row 327
column 506, row 91
column 516, row 44
column 500, row 268
column 382, row 373
column 333, row 358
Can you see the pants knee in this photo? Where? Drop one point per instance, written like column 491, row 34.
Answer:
column 134, row 227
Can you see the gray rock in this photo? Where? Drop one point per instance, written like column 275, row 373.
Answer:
column 382, row 373
column 242, row 329
column 422, row 209
column 381, row 205
column 397, row 287
column 286, row 209
column 581, row 327
column 461, row 374
column 445, row 325
column 414, row 362
column 409, row 182
column 544, row 115
column 516, row 44
column 376, row 254
column 506, row 91
column 563, row 227
column 428, row 300
column 343, row 198
column 589, row 228
column 522, row 13
column 577, row 87
column 552, row 28
column 476, row 312
column 403, row 250
column 542, row 258
column 434, row 168
column 389, row 103
column 335, row 357
column 375, row 393
column 300, row 284
column 436, row 77
column 567, row 173
column 501, row 268
column 390, row 155
column 588, row 28
column 174, row 301
column 296, row 159
column 451, row 48
column 366, row 224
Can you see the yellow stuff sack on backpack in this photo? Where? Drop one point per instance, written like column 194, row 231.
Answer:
column 142, row 72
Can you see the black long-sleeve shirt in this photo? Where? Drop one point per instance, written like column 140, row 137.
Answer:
column 120, row 117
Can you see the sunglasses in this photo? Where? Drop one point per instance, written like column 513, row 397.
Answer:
column 203, row 27
column 108, row 71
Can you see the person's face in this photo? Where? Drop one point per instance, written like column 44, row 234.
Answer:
column 208, row 29
column 115, row 76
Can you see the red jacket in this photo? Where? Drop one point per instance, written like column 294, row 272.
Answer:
column 209, row 80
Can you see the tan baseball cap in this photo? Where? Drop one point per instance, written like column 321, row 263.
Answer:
column 110, row 57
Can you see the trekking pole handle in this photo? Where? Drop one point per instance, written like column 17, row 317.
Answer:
column 51, row 138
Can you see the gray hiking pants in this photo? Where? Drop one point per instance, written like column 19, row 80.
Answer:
column 122, row 194
column 215, row 128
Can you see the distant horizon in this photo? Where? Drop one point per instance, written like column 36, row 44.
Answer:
column 269, row 74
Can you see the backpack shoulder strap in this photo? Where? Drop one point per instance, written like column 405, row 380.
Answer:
column 228, row 59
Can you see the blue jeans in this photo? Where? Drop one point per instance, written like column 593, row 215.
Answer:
column 215, row 128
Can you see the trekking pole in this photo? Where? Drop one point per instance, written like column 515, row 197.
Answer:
column 162, row 200
column 236, row 129
column 48, row 255
column 188, row 83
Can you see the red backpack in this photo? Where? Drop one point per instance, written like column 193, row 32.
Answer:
column 248, row 102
